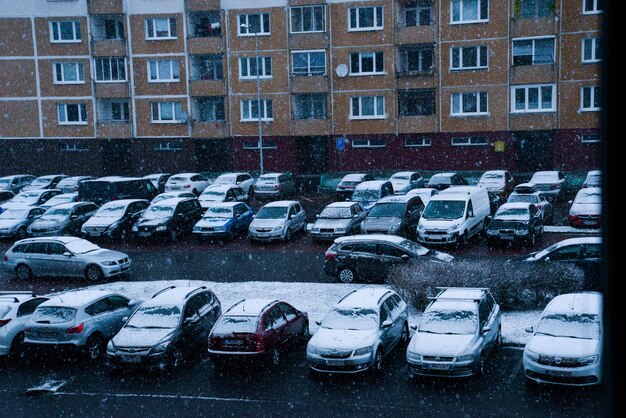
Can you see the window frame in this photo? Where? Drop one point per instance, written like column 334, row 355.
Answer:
column 403, row 95
column 175, row 110
column 470, row 142
column 403, row 59
column 124, row 110
column 76, row 31
column 465, row 22
column 352, row 116
column 313, row 7
column 262, row 60
column 593, row 11
column 174, row 68
column 592, row 98
column 308, row 52
column 360, row 55
column 369, row 143
column 478, row 113
column 110, row 59
column 526, row 87
column 79, row 69
column 154, row 36
column 359, row 28
column 262, row 30
column 588, row 141
column 417, row 9
column 315, row 99
column 249, row 102
column 594, row 59
column 425, row 142
column 82, row 114
column 213, row 101
column 478, row 48
column 533, row 39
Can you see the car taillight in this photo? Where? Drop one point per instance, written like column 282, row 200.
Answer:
column 554, row 187
column 276, row 187
column 76, row 330
column 259, row 344
column 6, row 258
column 3, row 322
column 213, row 342
column 330, row 255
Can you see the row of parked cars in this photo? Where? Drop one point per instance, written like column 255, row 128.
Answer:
column 455, row 336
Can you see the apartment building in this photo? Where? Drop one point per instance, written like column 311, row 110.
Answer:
column 126, row 86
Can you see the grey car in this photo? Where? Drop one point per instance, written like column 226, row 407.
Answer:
column 395, row 215
column 338, row 219
column 71, row 184
column 359, row 331
column 15, row 311
column 64, row 219
column 16, row 183
column 45, row 182
column 277, row 221
column 63, row 256
column 274, row 185
column 31, row 198
column 14, row 222
column 84, row 319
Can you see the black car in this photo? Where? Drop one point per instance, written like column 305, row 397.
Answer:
column 169, row 218
column 114, row 220
column 495, row 201
column 166, row 329
column 515, row 223
column 106, row 189
column 370, row 257
column 159, row 180
column 395, row 215
column 6, row 195
column 442, row 181
column 348, row 183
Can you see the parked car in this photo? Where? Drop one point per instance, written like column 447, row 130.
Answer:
column 169, row 219
column 6, row 195
column 16, row 183
column 525, row 194
column 114, row 220
column 551, row 183
column 370, row 192
column 495, row 201
column 45, row 182
column 29, row 198
column 16, row 309
column 370, row 257
column 64, row 219
column 456, row 334
column 71, row 184
column 593, row 179
column 338, row 219
column 221, row 193
column 425, row 193
column 396, row 215
column 84, row 319
column 224, row 221
column 277, row 221
column 586, row 209
column 256, row 329
column 165, row 329
column 442, row 181
column 346, row 185
column 359, row 331
column 190, row 182
column 405, row 181
column 158, row 180
column 14, row 222
column 59, row 200
column 499, row 182
column 173, row 195
column 566, row 344
column 274, row 185
column 243, row 180
column 515, row 223
column 63, row 256
column 106, row 189
column 454, row 216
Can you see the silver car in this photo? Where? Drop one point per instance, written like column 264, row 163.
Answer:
column 363, row 327
column 15, row 311
column 63, row 219
column 86, row 319
column 338, row 219
column 277, row 221
column 63, row 256
column 60, row 199
column 274, row 185
column 14, row 222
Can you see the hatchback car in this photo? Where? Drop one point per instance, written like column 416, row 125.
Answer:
column 346, row 185
column 223, row 221
column 173, row 195
column 458, row 330
column 424, row 193
column 405, row 181
column 14, row 222
column 537, row 199
column 278, row 220
column 158, row 180
column 586, row 208
column 593, row 179
column 499, row 182
column 71, row 184
column 370, row 192
column 566, row 345
column 221, row 193
column 60, row 199
column 30, row 198
column 515, row 223
column 551, row 183
column 45, row 182
column 371, row 257
column 114, row 220
column 187, row 182
column 16, row 183
column 84, row 319
column 338, row 219
column 359, row 331
column 16, row 309
column 395, row 215
column 442, row 181
column 64, row 219
column 169, row 219
column 257, row 328
column 63, row 256
column 165, row 329
column 274, row 185
column 243, row 180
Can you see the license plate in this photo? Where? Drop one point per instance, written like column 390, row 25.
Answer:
column 46, row 335
column 589, row 222
column 175, row 188
column 326, row 235
column 130, row 359
column 438, row 366
column 507, row 237
column 335, row 362
column 559, row 373
column 233, row 342
column 95, row 234
column 144, row 234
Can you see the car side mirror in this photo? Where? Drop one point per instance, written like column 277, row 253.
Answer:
column 189, row 321
column 181, row 215
column 546, row 259
column 238, row 216
column 414, row 327
column 569, row 202
column 289, row 217
column 318, row 323
column 405, row 257
column 486, row 329
column 253, row 216
column 67, row 254
column 317, row 216
column 529, row 330
column 125, row 319
column 386, row 324
column 74, row 217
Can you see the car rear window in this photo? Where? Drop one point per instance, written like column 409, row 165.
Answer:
column 4, row 310
column 95, row 189
column 232, row 324
column 53, row 315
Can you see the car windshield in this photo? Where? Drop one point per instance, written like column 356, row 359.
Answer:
column 56, row 214
column 40, row 182
column 522, row 198
column 351, row 319
column 27, row 197
column 404, row 177
column 212, row 196
column 544, row 178
column 336, row 213
column 413, row 247
column 440, row 180
column 594, row 179
column 512, row 214
column 233, row 324
column 164, row 196
column 225, row 179
column 161, row 316
column 268, row 179
column 14, row 214
column 349, row 183
column 444, row 209
column 81, row 246
column 570, row 324
column 449, row 321
column 158, row 212
column 387, row 210
column 365, row 195
column 53, row 315
column 587, row 197
column 491, row 178
column 57, row 200
column 218, row 212
column 4, row 183
column 66, row 183
column 109, row 210
column 274, row 212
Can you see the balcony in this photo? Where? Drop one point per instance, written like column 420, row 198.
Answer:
column 545, row 25
column 308, row 127
column 534, row 74
column 105, row 7
column 113, row 129
column 111, row 90
column 202, row 5
column 205, row 45
column 199, row 87
column 203, row 129
column 109, row 48
column 416, row 35
column 417, row 124
column 309, row 84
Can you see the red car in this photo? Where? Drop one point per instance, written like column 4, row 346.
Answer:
column 257, row 328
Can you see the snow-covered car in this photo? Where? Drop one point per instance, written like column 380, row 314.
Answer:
column 158, row 180
column 338, row 219
column 59, row 200
column 169, row 219
column 278, row 220
column 566, row 345
column 457, row 332
column 28, row 198
column 537, row 198
column 187, row 182
column 515, row 223
column 442, row 181
column 499, row 182
column 243, row 180
column 346, row 185
column 5, row 196
column 551, row 183
column 15, row 183
column 224, row 221
column 370, row 192
column 63, row 219
column 395, row 215
column 221, row 193
column 593, row 179
column 172, row 195
column 359, row 331
column 274, row 185
column 425, row 193
column 45, row 182
column 114, row 220
column 16, row 309
column 403, row 181
column 586, row 208
column 14, row 222
column 71, row 184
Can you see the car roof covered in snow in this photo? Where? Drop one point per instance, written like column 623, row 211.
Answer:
column 220, row 188
column 229, row 205
column 368, row 297
column 583, row 302
column 7, row 298
column 115, row 178
column 515, row 205
column 280, row 203
column 186, row 175
column 124, row 202
column 250, row 307
column 371, row 184
column 77, row 299
column 70, row 205
column 579, row 240
column 394, row 239
column 172, row 295
column 441, row 175
column 37, row 191
column 347, row 204
column 273, row 174
column 499, row 172
column 398, row 198
column 61, row 239
column 404, row 173
column 353, row 177
column 173, row 202
column 457, row 299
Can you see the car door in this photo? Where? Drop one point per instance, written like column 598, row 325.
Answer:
column 394, row 315
column 488, row 323
column 414, row 210
column 60, row 264
column 300, row 216
column 119, row 311
column 589, row 261
column 388, row 257
column 386, row 334
column 278, row 329
column 35, row 256
column 364, row 260
column 294, row 323
column 26, row 309
column 192, row 332
column 358, row 214
column 102, row 317
column 210, row 311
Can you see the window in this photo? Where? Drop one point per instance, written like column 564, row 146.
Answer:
column 110, row 69
column 73, row 148
column 591, row 50
column 113, row 29
column 468, row 58
column 67, row 31
column 113, row 111
column 416, row 59
column 289, row 311
column 369, row 143
column 205, row 24
column 421, row 141
column 469, row 11
column 309, row 106
column 367, row 63
column 28, row 307
column 366, row 18
column 210, row 109
column 308, row 63
column 416, row 102
column 367, row 107
column 250, row 110
column 529, row 9
column 163, row 71
column 69, row 73
column 590, row 138
column 474, row 103
column 249, row 23
column 589, row 99
column 417, row 13
column 570, row 252
column 248, row 67
column 99, row 307
column 254, row 145
column 207, row 67
column 533, row 51
column 72, row 114
column 592, row 7
column 469, row 140
column 308, row 19
column 169, row 146
column 161, row 28
column 533, row 98
column 166, row 112
column 118, row 302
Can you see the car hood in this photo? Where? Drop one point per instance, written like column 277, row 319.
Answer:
column 400, row 185
column 97, row 221
column 16, row 205
column 9, row 223
column 104, row 254
column 331, row 223
column 47, row 224
column 586, row 209
column 267, row 223
column 341, row 339
column 213, row 222
column 441, row 256
column 427, row 344
column 442, row 224
column 206, row 203
column 152, row 222
column 562, row 346
column 141, row 337
column 381, row 223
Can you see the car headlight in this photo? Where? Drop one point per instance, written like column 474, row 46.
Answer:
column 466, row 357
column 454, row 227
column 413, row 357
column 113, row 226
column 588, row 360
column 161, row 228
column 160, row 348
column 311, row 349
column 135, row 229
column 108, row 263
column 110, row 348
column 492, row 232
column 421, row 227
column 317, row 230
column 362, row 351
column 395, row 228
column 197, row 228
column 531, row 355
column 340, row 230
column 521, row 232
column 277, row 228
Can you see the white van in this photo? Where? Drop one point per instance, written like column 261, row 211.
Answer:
column 454, row 215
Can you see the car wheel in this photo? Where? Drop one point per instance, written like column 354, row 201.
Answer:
column 347, row 275
column 176, row 358
column 479, row 367
column 304, row 334
column 195, row 191
column 275, row 356
column 287, row 237
column 404, row 339
column 16, row 351
column 463, row 240
column 23, row 272
column 93, row 273
column 377, row 367
column 173, row 235
column 250, row 192
column 94, row 349
column 21, row 233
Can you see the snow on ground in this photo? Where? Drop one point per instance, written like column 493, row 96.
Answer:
column 570, row 230
column 314, row 298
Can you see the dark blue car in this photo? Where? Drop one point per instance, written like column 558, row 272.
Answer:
column 222, row 221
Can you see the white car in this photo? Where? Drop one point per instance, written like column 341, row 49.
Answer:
column 586, row 208
column 550, row 183
column 593, row 179
column 425, row 193
column 221, row 193
column 566, row 346
column 499, row 182
column 27, row 198
column 172, row 195
column 187, row 182
column 60, row 199
column 16, row 309
column 404, row 181
column 277, row 221
column 243, row 180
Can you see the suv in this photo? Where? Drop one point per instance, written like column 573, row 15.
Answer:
column 169, row 218
column 165, row 329
column 277, row 221
column 105, row 189
column 158, row 180
column 370, row 192
column 396, row 215
column 457, row 332
column 114, row 219
column 188, row 182
column 442, row 181
column 346, row 185
column 16, row 183
column 274, row 185
column 63, row 219
column 71, row 184
column 359, row 331
column 15, row 310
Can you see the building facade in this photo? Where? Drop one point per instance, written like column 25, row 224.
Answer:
column 129, row 86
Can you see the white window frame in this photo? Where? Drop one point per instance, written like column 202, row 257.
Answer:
column 368, row 144
column 425, row 142
column 76, row 31
column 169, row 146
column 359, row 28
column 79, row 70
column 262, row 61
column 173, row 64
column 533, row 39
column 478, row 104
column 264, row 104
column 360, row 58
column 478, row 48
column 176, row 107
column 367, row 117
column 154, row 36
column 464, row 22
column 82, row 114
column 595, row 141
column 594, row 58
column 311, row 6
column 263, row 31
column 266, row 145
column 469, row 141
column 593, row 90
column 124, row 110
column 308, row 52
column 213, row 102
column 111, row 80
column 526, row 87
column 593, row 11
column 313, row 98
